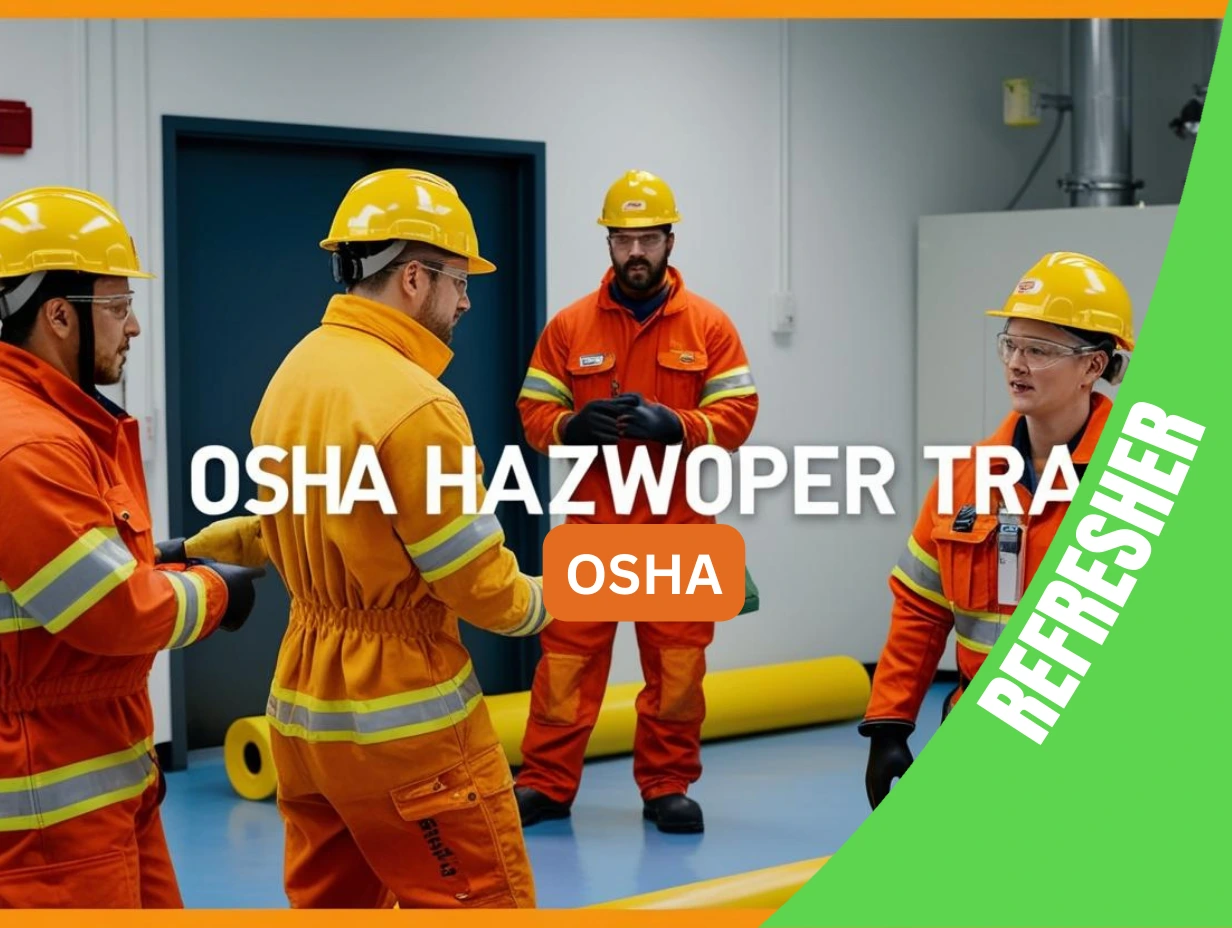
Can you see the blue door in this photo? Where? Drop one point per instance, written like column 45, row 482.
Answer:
column 247, row 205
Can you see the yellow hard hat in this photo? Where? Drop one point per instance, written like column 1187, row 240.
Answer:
column 64, row 229
column 411, row 206
column 639, row 200
column 1075, row 290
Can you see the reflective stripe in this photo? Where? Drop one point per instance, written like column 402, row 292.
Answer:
column 709, row 428
column 919, row 589
column 979, row 631
column 455, row 546
column 76, row 579
column 921, row 570
column 190, row 607
column 375, row 720
column 12, row 617
column 67, row 792
column 536, row 613
column 540, row 385
column 736, row 382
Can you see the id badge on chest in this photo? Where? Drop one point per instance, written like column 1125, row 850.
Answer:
column 1011, row 557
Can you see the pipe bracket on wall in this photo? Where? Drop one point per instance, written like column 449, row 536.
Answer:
column 1091, row 184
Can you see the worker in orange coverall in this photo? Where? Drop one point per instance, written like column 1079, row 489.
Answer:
column 1068, row 319
column 84, row 609
column 392, row 781
column 640, row 361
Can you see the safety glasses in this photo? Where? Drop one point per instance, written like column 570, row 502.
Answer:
column 120, row 305
column 460, row 278
column 650, row 241
column 1038, row 354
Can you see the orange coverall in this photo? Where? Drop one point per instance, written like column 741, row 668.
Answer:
column 391, row 778
column 686, row 356
column 947, row 579
column 83, row 611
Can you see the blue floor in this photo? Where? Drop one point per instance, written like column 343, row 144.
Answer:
column 768, row 800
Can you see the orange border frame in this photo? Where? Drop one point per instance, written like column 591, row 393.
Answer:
column 586, row 9
column 531, row 9
column 275, row 918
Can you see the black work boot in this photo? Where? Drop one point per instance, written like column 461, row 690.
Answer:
column 675, row 814
column 534, row 807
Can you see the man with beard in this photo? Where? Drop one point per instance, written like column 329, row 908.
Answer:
column 392, row 781
column 640, row 361
column 84, row 608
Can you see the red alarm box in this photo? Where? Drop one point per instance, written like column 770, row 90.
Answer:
column 16, row 127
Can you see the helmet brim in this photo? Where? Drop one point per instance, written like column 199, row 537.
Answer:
column 643, row 223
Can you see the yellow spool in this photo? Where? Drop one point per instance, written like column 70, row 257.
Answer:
column 249, row 762
column 738, row 702
column 758, row 889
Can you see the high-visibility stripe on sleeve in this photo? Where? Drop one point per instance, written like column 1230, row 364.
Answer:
column 709, row 428
column 55, row 796
column 12, row 617
column 540, row 385
column 456, row 545
column 736, row 382
column 190, row 607
column 921, row 567
column 556, row 427
column 76, row 579
column 921, row 573
column 536, row 615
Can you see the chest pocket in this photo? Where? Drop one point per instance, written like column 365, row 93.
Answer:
column 594, row 376
column 130, row 518
column 679, row 377
column 968, row 564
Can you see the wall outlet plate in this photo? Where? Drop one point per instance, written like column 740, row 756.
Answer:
column 782, row 313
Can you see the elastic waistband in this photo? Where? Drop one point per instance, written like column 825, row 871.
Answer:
column 75, row 689
column 427, row 617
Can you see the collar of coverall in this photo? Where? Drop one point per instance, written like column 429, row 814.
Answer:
column 1080, row 455
column 676, row 303
column 97, row 416
column 396, row 329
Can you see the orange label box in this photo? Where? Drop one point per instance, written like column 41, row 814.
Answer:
column 644, row 573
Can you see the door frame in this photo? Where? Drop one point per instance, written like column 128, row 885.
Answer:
column 530, row 159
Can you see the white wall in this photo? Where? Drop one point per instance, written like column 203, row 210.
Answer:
column 887, row 121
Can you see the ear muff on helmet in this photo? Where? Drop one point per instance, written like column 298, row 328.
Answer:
column 352, row 263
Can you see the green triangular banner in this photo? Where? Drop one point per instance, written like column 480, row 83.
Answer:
column 1123, row 814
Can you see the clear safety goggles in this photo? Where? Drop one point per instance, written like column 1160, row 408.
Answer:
column 119, row 305
column 460, row 278
column 1038, row 354
column 650, row 241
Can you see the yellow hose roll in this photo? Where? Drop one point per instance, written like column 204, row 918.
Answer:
column 738, row 702
column 247, row 756
column 758, row 889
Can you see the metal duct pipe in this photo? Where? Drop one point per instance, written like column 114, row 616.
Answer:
column 1102, row 165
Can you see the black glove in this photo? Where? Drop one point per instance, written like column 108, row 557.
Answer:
column 650, row 422
column 241, row 594
column 170, row 552
column 888, row 757
column 596, row 422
